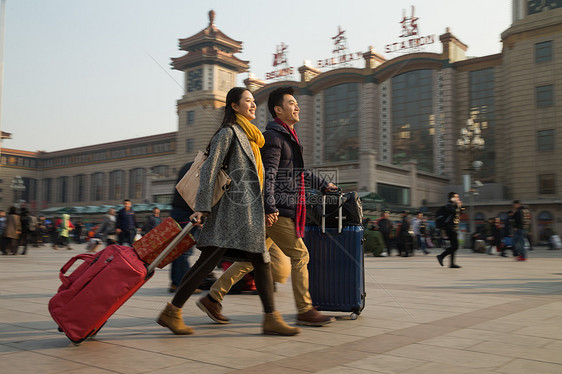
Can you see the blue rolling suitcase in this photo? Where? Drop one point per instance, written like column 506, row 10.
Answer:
column 336, row 267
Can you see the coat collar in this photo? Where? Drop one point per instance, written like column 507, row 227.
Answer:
column 244, row 142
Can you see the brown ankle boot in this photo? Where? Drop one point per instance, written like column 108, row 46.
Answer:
column 273, row 324
column 172, row 319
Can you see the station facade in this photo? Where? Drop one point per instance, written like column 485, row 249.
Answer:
column 389, row 127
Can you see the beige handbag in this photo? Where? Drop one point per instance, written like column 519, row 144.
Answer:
column 188, row 186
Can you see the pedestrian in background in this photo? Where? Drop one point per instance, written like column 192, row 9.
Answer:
column 385, row 228
column 3, row 231
column 452, row 218
column 126, row 224
column 418, row 226
column 107, row 230
column 153, row 220
column 13, row 231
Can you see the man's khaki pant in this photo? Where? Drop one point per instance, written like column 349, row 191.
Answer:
column 283, row 234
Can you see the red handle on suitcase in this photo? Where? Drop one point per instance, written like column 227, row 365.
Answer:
column 86, row 257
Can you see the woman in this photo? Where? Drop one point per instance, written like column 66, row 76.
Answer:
column 237, row 223
column 13, row 231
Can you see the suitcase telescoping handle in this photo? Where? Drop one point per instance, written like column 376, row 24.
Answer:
column 340, row 213
column 170, row 247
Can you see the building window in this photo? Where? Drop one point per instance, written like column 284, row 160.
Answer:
column 116, row 185
column 30, row 192
column 482, row 112
column 62, row 189
column 79, row 188
column 394, row 195
column 137, row 183
column 545, row 140
column 413, row 119
column 547, row 184
column 161, row 147
column 98, row 181
column 139, row 150
column 161, row 171
column 189, row 145
column 190, row 117
column 545, row 221
column 545, row 95
column 543, row 51
column 341, row 129
column 47, row 188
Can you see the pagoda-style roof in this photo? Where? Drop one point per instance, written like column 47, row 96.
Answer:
column 210, row 45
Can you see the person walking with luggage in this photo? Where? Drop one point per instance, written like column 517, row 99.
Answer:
column 448, row 219
column 385, row 227
column 236, row 223
column 521, row 221
column 126, row 224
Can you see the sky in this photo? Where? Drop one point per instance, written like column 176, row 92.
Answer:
column 84, row 72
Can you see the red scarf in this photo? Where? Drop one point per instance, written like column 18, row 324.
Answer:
column 300, row 217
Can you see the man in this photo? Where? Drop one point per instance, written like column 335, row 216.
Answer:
column 521, row 223
column 284, row 201
column 385, row 227
column 2, row 231
column 452, row 217
column 418, row 226
column 126, row 224
column 153, row 220
column 404, row 238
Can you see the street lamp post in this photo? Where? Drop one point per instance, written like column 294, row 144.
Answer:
column 18, row 186
column 471, row 141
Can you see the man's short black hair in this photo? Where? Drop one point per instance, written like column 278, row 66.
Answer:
column 276, row 98
column 451, row 195
column 516, row 202
column 125, row 200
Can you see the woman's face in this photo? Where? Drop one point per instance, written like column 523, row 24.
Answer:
column 246, row 106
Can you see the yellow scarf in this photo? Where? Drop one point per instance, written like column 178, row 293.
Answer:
column 256, row 141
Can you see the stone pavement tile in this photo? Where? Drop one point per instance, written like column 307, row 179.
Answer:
column 31, row 362
column 545, row 330
column 88, row 370
column 321, row 360
column 521, row 366
column 450, row 341
column 216, row 353
column 191, row 367
column 440, row 368
column 270, row 368
column 425, row 331
column 497, row 325
column 380, row 343
column 323, row 335
column 347, row 370
column 386, row 364
column 382, row 322
column 363, row 331
column 111, row 357
column 459, row 321
column 450, row 356
column 520, row 351
column 501, row 337
column 290, row 348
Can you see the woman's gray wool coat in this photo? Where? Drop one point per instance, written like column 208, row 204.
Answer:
column 238, row 219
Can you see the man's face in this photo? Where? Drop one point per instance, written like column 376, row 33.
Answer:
column 156, row 212
column 516, row 206
column 127, row 205
column 420, row 216
column 385, row 215
column 289, row 112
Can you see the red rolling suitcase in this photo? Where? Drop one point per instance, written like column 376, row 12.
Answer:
column 99, row 286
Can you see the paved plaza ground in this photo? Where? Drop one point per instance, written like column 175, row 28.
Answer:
column 494, row 315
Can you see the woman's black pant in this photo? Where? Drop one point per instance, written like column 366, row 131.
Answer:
column 208, row 260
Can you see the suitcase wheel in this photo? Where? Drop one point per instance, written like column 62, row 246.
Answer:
column 353, row 316
column 59, row 329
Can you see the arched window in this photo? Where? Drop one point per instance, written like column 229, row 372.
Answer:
column 62, row 189
column 98, row 180
column 116, row 185
column 136, row 183
column 413, row 119
column 341, row 129
column 79, row 188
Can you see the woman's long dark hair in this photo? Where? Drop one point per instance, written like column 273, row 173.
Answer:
column 229, row 117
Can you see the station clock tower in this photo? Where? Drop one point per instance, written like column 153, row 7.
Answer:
column 210, row 71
